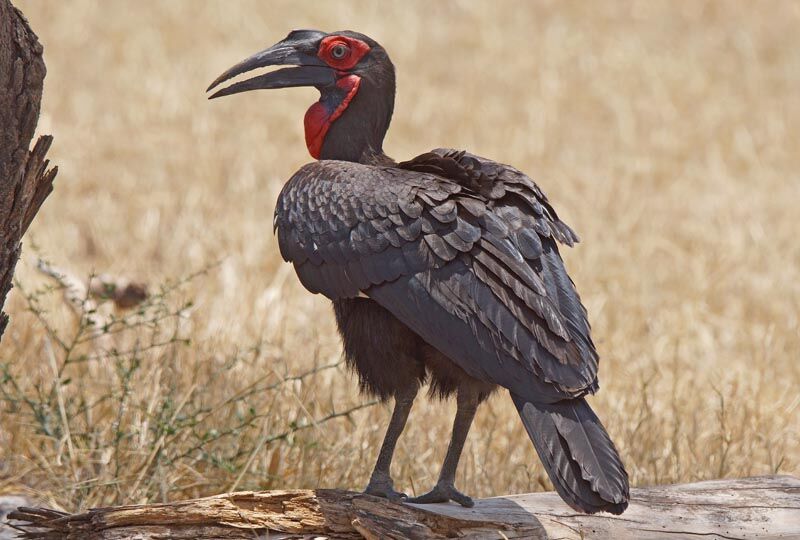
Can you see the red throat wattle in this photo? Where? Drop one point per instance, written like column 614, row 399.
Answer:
column 318, row 118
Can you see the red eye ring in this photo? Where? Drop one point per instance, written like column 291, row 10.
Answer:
column 342, row 52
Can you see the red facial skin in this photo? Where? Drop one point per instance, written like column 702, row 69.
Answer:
column 318, row 119
column 356, row 49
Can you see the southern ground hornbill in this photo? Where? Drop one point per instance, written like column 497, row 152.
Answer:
column 444, row 268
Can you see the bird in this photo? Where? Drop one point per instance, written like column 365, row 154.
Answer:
column 443, row 270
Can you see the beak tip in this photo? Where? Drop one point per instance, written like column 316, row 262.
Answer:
column 214, row 84
column 215, row 94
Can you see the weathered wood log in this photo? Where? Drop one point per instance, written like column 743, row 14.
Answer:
column 9, row 503
column 761, row 507
column 25, row 180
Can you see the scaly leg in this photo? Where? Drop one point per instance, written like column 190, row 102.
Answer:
column 380, row 483
column 445, row 490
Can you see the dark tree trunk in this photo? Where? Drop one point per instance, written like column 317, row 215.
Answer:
column 25, row 181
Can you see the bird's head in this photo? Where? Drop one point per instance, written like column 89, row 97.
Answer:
column 355, row 79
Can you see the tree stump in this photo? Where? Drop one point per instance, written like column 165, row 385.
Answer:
column 762, row 507
column 25, row 180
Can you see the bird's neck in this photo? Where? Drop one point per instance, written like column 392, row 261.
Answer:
column 349, row 121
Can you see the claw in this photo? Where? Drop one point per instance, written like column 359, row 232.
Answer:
column 443, row 493
column 384, row 487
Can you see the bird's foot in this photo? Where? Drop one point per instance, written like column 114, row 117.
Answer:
column 382, row 486
column 443, row 492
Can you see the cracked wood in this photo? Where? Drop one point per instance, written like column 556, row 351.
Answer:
column 25, row 180
column 760, row 507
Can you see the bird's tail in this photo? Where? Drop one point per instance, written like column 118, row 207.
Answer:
column 577, row 453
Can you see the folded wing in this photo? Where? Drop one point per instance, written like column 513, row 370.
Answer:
column 461, row 249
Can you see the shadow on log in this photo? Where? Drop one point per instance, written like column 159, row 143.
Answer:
column 761, row 507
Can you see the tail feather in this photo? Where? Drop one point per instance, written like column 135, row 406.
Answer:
column 577, row 453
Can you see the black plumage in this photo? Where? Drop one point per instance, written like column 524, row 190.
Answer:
column 444, row 268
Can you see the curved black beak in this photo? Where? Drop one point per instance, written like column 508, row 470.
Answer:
column 297, row 49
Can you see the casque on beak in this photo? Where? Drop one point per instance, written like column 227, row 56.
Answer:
column 310, row 70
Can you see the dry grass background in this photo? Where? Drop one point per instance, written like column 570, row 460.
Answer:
column 665, row 132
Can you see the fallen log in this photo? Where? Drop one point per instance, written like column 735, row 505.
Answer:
column 760, row 507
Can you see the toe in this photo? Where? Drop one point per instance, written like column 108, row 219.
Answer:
column 462, row 499
column 396, row 496
column 443, row 493
column 433, row 496
column 386, row 490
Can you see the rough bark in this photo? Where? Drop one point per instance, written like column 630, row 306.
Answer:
column 762, row 507
column 25, row 180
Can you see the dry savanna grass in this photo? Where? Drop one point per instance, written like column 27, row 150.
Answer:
column 665, row 132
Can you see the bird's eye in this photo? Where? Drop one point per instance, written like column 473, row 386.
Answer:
column 339, row 51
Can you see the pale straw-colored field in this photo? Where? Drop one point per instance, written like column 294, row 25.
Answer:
column 666, row 133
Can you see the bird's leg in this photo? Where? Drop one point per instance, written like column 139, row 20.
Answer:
column 380, row 483
column 445, row 489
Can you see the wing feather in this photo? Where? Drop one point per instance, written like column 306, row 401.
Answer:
column 459, row 248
